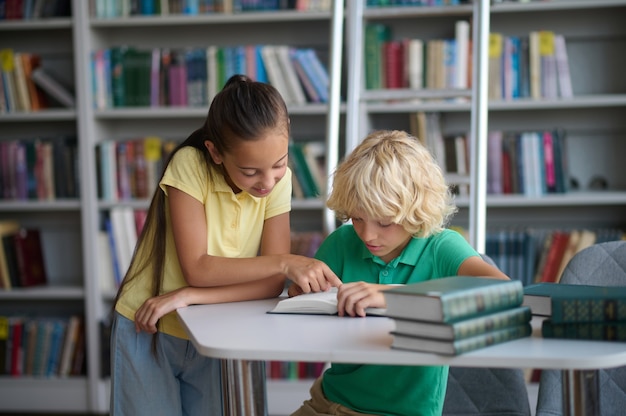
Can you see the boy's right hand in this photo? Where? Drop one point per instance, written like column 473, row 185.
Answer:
column 311, row 275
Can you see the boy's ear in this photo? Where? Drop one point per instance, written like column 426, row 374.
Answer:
column 215, row 155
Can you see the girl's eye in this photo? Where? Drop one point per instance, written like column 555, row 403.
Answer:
column 249, row 174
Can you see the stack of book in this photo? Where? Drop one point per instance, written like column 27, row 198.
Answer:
column 458, row 314
column 579, row 311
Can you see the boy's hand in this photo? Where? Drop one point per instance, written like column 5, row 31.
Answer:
column 354, row 298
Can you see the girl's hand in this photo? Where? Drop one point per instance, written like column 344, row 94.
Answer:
column 354, row 298
column 311, row 275
column 154, row 308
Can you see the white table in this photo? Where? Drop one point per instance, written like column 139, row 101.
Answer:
column 244, row 336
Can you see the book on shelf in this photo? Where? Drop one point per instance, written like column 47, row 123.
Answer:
column 302, row 171
column 7, row 68
column 464, row 328
column 318, row 303
column 7, row 228
column 285, row 60
column 556, row 250
column 565, row 303
column 54, row 88
column 460, row 346
column 562, row 67
column 30, row 257
column 450, row 298
column 23, row 95
column 600, row 331
column 4, row 340
column 547, row 59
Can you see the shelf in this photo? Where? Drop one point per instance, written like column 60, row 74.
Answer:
column 585, row 101
column 28, row 394
column 135, row 113
column 210, row 19
column 569, row 199
column 36, row 24
column 50, row 114
column 34, row 205
column 408, row 12
column 37, row 293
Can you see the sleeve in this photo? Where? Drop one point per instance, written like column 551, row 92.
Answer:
column 451, row 250
column 279, row 200
column 188, row 173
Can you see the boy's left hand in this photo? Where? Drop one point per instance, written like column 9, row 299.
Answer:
column 354, row 298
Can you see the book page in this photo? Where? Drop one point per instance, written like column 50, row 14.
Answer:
column 318, row 303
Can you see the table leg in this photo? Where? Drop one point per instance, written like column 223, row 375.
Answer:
column 243, row 388
column 581, row 395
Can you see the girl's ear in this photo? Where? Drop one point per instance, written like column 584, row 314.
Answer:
column 215, row 155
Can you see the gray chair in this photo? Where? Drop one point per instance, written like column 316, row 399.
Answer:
column 601, row 264
column 486, row 391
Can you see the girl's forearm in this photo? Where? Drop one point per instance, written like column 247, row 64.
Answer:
column 260, row 289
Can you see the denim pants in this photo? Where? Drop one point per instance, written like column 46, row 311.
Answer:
column 180, row 382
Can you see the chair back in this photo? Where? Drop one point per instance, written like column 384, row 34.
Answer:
column 600, row 264
column 486, row 391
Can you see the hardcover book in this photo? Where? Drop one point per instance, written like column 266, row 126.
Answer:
column 450, row 298
column 318, row 303
column 602, row 331
column 576, row 303
column 464, row 328
column 456, row 347
column 30, row 257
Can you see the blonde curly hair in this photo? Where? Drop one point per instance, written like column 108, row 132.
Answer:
column 391, row 175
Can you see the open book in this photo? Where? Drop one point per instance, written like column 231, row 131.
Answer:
column 318, row 303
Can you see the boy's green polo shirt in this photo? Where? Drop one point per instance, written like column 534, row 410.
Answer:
column 382, row 389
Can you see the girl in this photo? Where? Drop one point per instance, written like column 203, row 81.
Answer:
column 217, row 230
column 394, row 193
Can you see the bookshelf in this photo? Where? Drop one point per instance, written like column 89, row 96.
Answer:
column 68, row 225
column 58, row 219
column 593, row 120
column 590, row 119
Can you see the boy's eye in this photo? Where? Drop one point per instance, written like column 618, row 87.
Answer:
column 356, row 219
column 384, row 225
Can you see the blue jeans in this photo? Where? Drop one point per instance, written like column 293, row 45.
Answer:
column 179, row 382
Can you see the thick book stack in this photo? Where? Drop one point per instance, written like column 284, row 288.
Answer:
column 579, row 311
column 458, row 314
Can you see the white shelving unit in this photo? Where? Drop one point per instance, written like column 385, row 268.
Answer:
column 363, row 103
column 593, row 119
column 69, row 227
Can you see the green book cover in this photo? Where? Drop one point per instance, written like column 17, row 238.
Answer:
column 464, row 328
column 602, row 331
column 375, row 35
column 456, row 347
column 577, row 303
column 302, row 171
column 450, row 298
column 118, row 82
